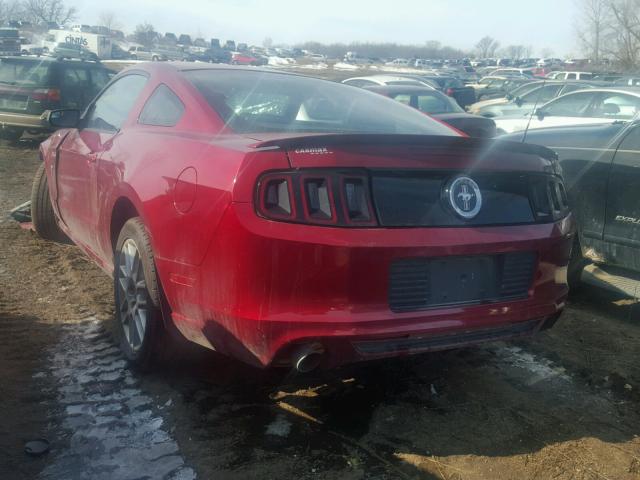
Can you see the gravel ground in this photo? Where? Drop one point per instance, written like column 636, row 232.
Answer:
column 563, row 406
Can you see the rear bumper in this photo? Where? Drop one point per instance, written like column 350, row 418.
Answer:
column 21, row 120
column 266, row 287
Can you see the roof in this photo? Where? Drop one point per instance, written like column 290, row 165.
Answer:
column 627, row 90
column 384, row 76
column 392, row 89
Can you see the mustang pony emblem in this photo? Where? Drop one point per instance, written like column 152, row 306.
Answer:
column 464, row 197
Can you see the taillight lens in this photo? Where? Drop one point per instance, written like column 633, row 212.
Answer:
column 317, row 197
column 50, row 95
column 549, row 198
column 276, row 198
column 450, row 92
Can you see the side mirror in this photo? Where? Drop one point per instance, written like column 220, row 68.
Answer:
column 66, row 118
column 519, row 101
column 540, row 114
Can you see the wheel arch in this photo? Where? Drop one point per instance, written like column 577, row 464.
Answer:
column 123, row 210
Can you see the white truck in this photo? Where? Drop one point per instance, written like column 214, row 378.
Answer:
column 96, row 43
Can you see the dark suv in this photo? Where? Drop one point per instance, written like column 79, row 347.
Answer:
column 31, row 86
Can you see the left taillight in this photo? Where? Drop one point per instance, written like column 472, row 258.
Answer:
column 51, row 95
column 333, row 198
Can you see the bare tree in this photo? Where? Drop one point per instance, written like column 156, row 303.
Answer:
column 626, row 32
column 487, row 47
column 515, row 52
column 594, row 26
column 145, row 34
column 109, row 19
column 48, row 11
column 9, row 10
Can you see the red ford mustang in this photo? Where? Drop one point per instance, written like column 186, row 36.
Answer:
column 286, row 220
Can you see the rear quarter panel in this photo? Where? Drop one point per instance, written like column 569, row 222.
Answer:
column 180, row 184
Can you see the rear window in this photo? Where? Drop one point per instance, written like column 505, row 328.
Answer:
column 252, row 102
column 24, row 73
column 163, row 109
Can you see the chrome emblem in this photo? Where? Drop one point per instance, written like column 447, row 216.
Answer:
column 464, row 197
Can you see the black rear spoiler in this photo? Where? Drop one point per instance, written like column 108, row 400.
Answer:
column 438, row 141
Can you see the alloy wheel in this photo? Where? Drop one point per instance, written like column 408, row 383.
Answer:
column 133, row 297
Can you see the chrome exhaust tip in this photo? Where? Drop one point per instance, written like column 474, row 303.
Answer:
column 307, row 357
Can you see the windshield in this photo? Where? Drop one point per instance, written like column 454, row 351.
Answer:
column 251, row 102
column 25, row 73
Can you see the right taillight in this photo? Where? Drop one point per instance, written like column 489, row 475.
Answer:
column 549, row 199
column 316, row 197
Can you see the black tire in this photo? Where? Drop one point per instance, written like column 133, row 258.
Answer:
column 11, row 134
column 155, row 58
column 575, row 267
column 131, row 296
column 42, row 215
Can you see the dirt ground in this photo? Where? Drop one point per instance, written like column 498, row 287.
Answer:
column 563, row 406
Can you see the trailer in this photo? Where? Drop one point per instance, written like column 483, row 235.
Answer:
column 94, row 42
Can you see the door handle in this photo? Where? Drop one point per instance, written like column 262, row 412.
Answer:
column 92, row 157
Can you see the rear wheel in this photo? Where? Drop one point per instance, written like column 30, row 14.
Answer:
column 155, row 58
column 42, row 215
column 137, row 296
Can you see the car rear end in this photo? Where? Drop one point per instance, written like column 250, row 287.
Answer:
column 27, row 91
column 359, row 228
column 461, row 93
column 339, row 249
column 472, row 125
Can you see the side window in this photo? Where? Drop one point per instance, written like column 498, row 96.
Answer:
column 571, row 76
column 616, row 105
column 111, row 109
column 99, row 80
column 542, row 94
column 163, row 108
column 74, row 86
column 403, row 98
column 572, row 88
column 76, row 77
column 433, row 104
column 573, row 105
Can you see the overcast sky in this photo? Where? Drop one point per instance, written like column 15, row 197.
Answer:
column 458, row 23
